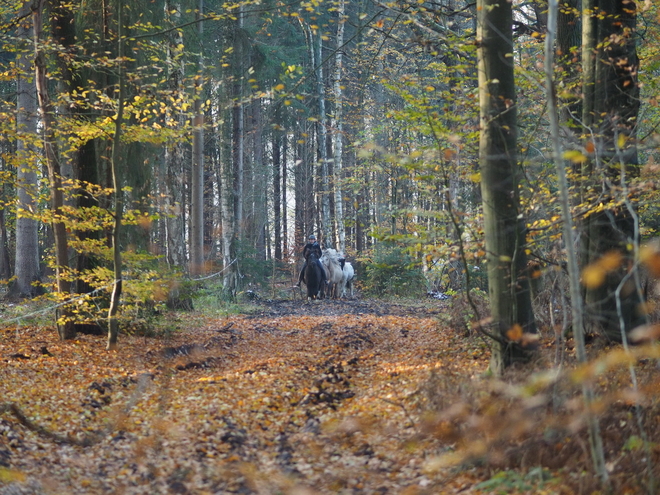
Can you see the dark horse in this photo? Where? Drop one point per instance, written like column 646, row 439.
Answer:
column 313, row 277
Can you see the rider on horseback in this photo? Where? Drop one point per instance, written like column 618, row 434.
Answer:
column 312, row 247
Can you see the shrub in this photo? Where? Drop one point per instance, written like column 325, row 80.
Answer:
column 393, row 272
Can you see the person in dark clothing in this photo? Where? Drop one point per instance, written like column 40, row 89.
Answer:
column 312, row 246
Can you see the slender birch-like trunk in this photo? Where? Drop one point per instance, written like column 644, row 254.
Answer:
column 197, row 182
column 113, row 322
column 338, row 130
column 322, row 141
column 595, row 439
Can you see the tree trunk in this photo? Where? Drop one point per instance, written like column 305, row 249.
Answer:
column 5, row 268
column 277, row 183
column 197, row 183
column 285, row 177
column 304, row 183
column 113, row 322
column 595, row 438
column 338, row 131
column 65, row 325
column 26, row 267
column 362, row 201
column 227, row 204
column 232, row 251
column 611, row 110
column 322, row 136
column 299, row 207
column 260, row 197
column 173, row 176
column 63, row 32
column 503, row 224
column 238, row 140
column 78, row 163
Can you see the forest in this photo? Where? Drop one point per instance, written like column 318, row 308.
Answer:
column 488, row 168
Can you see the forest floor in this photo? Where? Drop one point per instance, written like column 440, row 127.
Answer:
column 357, row 396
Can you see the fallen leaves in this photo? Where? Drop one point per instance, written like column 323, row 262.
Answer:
column 265, row 404
column 327, row 398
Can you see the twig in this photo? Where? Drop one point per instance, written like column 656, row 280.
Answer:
column 45, row 432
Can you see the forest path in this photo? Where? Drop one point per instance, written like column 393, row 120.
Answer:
column 326, row 397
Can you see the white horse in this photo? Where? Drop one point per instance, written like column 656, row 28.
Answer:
column 348, row 276
column 330, row 260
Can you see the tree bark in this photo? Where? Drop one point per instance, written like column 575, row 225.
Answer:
column 595, row 438
column 277, row 184
column 77, row 163
column 173, row 170
column 26, row 262
column 285, row 178
column 227, row 204
column 503, row 221
column 259, row 197
column 338, row 131
column 65, row 325
column 197, row 182
column 5, row 271
column 610, row 111
column 113, row 322
column 322, row 136
column 231, row 251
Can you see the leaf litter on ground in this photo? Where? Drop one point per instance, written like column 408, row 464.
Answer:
column 333, row 397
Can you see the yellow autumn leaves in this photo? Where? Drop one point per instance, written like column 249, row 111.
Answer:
column 594, row 274
column 581, row 156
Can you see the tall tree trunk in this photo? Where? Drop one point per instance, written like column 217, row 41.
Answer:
column 338, row 130
column 379, row 179
column 277, row 183
column 63, row 32
column 595, row 438
column 299, row 193
column 65, row 325
column 80, row 163
column 238, row 138
column 197, row 183
column 173, row 176
column 238, row 147
column 504, row 226
column 362, row 208
column 285, row 210
column 260, row 196
column 304, row 183
column 5, row 192
column 175, row 200
column 26, row 267
column 611, row 110
column 226, row 173
column 322, row 136
column 113, row 322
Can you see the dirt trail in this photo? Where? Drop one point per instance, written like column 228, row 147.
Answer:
column 350, row 397
column 296, row 398
column 352, row 306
